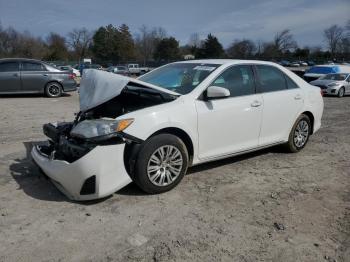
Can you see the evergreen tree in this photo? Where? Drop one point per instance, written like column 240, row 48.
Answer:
column 211, row 48
column 167, row 49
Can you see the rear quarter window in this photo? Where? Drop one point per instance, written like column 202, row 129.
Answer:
column 290, row 83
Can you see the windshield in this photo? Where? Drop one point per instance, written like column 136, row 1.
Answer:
column 179, row 77
column 336, row 77
column 323, row 70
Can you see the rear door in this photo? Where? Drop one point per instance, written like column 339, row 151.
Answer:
column 283, row 100
column 34, row 76
column 10, row 80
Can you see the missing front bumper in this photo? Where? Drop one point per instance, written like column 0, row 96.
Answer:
column 105, row 163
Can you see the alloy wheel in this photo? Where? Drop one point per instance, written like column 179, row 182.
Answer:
column 53, row 90
column 164, row 165
column 301, row 134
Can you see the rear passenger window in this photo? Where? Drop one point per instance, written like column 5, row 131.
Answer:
column 9, row 67
column 32, row 66
column 238, row 79
column 270, row 79
column 291, row 84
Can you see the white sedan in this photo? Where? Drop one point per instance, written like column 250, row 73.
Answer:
column 150, row 130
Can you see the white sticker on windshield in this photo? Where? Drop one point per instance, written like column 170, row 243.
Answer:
column 204, row 68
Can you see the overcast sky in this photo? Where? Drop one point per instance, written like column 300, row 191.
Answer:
column 226, row 19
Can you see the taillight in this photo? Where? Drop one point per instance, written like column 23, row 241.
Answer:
column 321, row 92
column 71, row 76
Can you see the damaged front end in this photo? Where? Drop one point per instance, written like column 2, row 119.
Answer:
column 86, row 158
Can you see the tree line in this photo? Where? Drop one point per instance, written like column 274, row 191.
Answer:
column 116, row 45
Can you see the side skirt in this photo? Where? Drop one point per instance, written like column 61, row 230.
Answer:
column 211, row 159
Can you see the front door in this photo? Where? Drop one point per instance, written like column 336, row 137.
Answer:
column 230, row 125
column 10, row 79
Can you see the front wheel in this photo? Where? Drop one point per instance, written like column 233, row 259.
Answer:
column 161, row 164
column 299, row 134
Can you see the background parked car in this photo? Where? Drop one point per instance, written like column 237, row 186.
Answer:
column 284, row 63
column 316, row 72
column 137, row 70
column 120, row 70
column 334, row 84
column 33, row 76
column 70, row 69
column 294, row 64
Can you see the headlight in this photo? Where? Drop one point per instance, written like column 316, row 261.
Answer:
column 99, row 127
column 334, row 84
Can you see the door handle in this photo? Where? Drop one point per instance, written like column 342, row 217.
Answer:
column 298, row 97
column 15, row 74
column 45, row 75
column 256, row 104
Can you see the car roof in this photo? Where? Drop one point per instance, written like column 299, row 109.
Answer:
column 227, row 61
column 20, row 59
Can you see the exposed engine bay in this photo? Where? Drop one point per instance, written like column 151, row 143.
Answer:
column 63, row 145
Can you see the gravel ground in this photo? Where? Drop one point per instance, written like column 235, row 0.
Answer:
column 265, row 206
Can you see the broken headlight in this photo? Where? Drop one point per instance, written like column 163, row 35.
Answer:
column 99, row 127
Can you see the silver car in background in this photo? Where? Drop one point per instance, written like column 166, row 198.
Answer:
column 28, row 76
column 334, row 84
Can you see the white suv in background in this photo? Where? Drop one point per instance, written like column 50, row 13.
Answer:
column 150, row 130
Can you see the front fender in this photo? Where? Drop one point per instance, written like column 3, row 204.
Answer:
column 177, row 114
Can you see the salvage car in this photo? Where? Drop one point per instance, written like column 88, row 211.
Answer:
column 318, row 71
column 151, row 129
column 28, row 76
column 334, row 84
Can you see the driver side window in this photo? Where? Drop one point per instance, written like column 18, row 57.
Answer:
column 239, row 80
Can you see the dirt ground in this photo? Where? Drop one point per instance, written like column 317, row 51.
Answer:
column 265, row 206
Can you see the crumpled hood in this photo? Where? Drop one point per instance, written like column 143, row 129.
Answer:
column 98, row 87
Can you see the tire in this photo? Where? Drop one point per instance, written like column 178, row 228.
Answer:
column 299, row 135
column 160, row 174
column 53, row 89
column 341, row 92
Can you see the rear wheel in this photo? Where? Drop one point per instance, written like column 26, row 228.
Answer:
column 299, row 135
column 161, row 164
column 341, row 92
column 53, row 90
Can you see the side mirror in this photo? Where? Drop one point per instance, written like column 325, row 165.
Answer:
column 214, row 92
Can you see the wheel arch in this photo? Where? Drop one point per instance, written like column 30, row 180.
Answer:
column 132, row 149
column 180, row 133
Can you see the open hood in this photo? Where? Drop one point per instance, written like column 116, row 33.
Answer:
column 98, row 87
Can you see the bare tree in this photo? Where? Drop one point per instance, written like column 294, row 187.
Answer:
column 333, row 37
column 259, row 48
column 147, row 40
column 347, row 28
column 79, row 41
column 56, row 45
column 16, row 44
column 284, row 41
column 195, row 40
